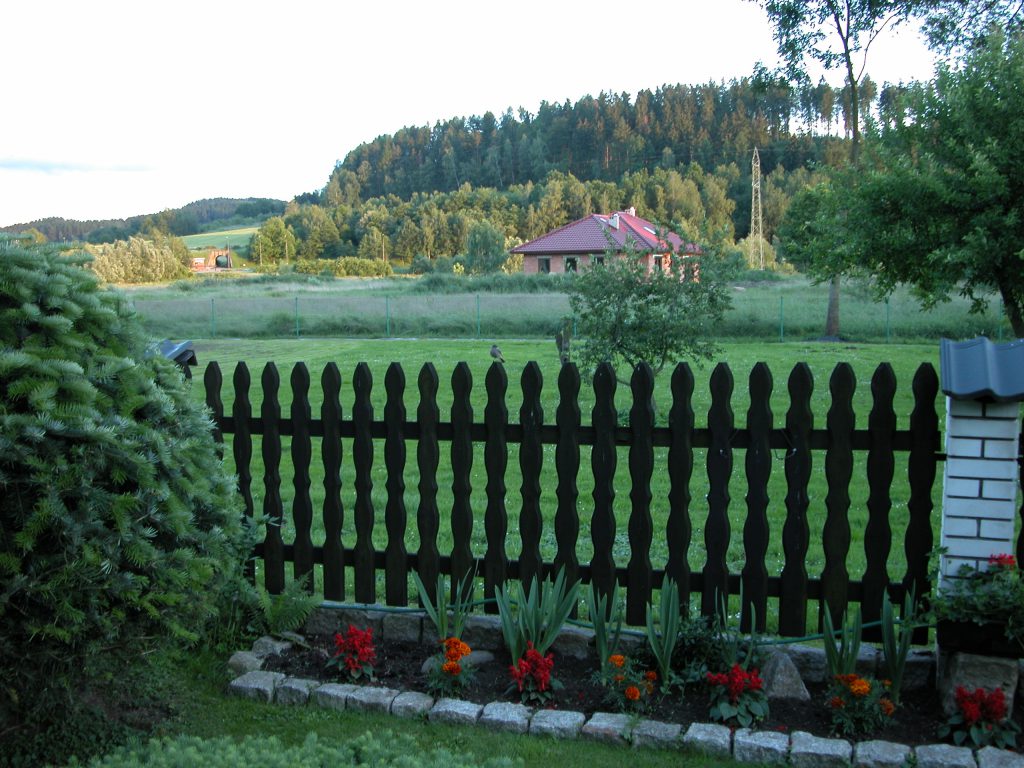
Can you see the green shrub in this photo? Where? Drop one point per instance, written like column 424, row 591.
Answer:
column 352, row 266
column 119, row 528
column 136, row 260
column 385, row 750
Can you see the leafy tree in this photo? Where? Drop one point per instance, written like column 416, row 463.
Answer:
column 954, row 24
column 119, row 526
column 836, row 34
column 273, row 242
column 138, row 260
column 485, row 247
column 943, row 209
column 628, row 315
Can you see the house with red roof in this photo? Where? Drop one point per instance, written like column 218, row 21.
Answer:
column 589, row 240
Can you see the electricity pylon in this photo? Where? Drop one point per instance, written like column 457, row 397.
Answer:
column 756, row 239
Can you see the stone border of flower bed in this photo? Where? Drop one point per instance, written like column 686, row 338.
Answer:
column 744, row 745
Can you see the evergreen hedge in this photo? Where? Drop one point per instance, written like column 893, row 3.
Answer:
column 119, row 528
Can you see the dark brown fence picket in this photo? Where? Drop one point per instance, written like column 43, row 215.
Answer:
column 759, row 438
column 754, row 576
column 567, row 467
column 716, row 529
column 881, row 465
column 678, row 528
column 496, row 464
column 396, row 585
column 795, row 531
column 213, row 381
column 302, row 505
column 602, row 462
column 639, row 573
column 273, row 545
column 241, row 447
column 921, row 471
column 462, row 464
column 531, row 456
column 428, row 453
column 362, row 459
column 331, row 451
column 835, row 535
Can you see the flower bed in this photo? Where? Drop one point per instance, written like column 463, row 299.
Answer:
column 401, row 652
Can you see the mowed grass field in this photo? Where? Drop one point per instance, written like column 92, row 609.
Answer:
column 446, row 354
column 227, row 238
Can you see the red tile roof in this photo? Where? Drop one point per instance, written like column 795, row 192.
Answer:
column 596, row 233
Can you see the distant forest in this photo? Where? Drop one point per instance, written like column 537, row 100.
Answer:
column 605, row 137
column 187, row 220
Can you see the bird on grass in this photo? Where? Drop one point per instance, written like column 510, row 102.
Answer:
column 496, row 353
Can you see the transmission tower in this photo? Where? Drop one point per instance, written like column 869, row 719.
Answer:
column 756, row 239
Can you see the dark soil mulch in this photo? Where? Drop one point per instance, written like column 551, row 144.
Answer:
column 399, row 666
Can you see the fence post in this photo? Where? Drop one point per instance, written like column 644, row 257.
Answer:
column 296, row 317
column 387, row 316
column 478, row 315
column 782, row 327
column 213, row 320
column 887, row 326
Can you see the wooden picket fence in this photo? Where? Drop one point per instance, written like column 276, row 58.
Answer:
column 915, row 450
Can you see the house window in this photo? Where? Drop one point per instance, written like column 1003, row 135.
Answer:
column 599, row 261
column 658, row 263
column 544, row 265
column 570, row 264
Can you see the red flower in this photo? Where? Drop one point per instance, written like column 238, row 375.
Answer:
column 633, row 693
column 1002, row 561
column 736, row 681
column 533, row 667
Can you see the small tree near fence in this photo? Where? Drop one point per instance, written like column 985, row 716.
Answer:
column 628, row 314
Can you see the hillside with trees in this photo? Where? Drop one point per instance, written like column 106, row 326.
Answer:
column 680, row 155
column 190, row 219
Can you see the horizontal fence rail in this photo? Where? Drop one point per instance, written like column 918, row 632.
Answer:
column 724, row 442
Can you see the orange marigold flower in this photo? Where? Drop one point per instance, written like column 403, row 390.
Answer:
column 836, row 702
column 617, row 660
column 650, row 675
column 633, row 693
column 860, row 687
column 452, row 668
column 649, row 687
column 887, row 707
column 619, row 678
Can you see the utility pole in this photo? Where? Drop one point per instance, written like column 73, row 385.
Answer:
column 756, row 237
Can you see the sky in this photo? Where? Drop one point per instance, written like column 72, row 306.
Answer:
column 113, row 109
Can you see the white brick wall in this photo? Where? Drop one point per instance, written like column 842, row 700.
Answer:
column 979, row 482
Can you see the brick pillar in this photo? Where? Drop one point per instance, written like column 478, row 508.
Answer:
column 979, row 483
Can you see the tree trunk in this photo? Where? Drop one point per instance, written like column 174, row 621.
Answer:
column 832, row 317
column 1013, row 309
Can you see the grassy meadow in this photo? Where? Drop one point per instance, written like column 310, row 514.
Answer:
column 412, row 354
column 237, row 238
column 792, row 309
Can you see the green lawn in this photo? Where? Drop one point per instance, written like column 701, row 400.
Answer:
column 445, row 354
column 205, row 711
